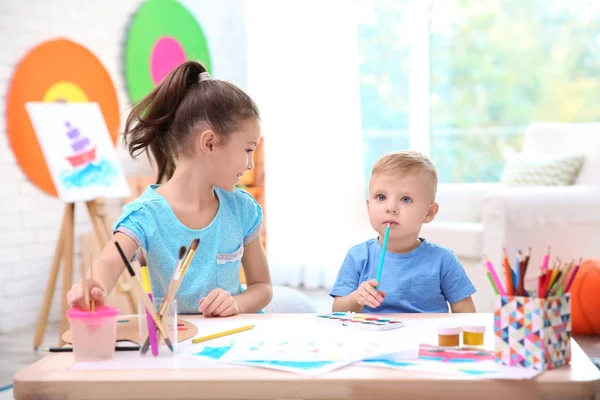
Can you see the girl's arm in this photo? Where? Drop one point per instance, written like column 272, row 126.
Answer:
column 108, row 267
column 256, row 269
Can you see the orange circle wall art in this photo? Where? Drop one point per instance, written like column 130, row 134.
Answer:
column 57, row 70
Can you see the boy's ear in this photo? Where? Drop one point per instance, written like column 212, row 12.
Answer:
column 368, row 204
column 433, row 210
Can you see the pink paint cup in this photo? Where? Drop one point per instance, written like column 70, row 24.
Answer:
column 94, row 334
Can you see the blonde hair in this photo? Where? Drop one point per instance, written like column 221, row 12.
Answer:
column 406, row 161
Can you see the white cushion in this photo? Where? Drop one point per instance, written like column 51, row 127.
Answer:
column 548, row 138
column 541, row 170
column 289, row 300
column 464, row 238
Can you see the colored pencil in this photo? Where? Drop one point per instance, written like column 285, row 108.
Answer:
column 494, row 276
column 545, row 260
column 221, row 334
column 492, row 282
column 382, row 256
column 572, row 278
column 508, row 274
column 145, row 299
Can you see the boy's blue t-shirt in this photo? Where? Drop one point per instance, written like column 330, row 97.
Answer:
column 150, row 221
column 420, row 281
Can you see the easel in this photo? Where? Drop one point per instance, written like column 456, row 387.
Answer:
column 64, row 252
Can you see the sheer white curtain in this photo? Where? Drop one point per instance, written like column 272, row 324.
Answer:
column 303, row 72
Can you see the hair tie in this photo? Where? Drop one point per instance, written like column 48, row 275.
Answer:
column 204, row 76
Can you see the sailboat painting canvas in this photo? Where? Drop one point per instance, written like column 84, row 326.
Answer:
column 78, row 150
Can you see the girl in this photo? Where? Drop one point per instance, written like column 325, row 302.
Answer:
column 201, row 133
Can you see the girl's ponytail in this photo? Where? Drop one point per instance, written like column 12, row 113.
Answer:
column 149, row 125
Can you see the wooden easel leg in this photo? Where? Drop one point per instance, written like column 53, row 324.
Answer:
column 68, row 267
column 51, row 285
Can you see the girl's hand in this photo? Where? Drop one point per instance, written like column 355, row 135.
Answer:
column 76, row 297
column 218, row 303
column 367, row 295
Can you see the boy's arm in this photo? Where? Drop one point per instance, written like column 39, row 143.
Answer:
column 344, row 289
column 457, row 287
column 346, row 304
column 463, row 306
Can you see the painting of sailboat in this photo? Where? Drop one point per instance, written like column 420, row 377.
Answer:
column 78, row 150
column 83, row 151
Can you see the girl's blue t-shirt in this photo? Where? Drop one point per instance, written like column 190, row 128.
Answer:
column 150, row 221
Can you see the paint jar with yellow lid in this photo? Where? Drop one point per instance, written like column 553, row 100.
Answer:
column 448, row 336
column 473, row 335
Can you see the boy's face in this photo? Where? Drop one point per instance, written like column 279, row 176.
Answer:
column 406, row 201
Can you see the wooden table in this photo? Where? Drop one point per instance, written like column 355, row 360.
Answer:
column 50, row 378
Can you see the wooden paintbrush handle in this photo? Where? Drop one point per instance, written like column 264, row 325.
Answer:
column 146, row 300
column 169, row 297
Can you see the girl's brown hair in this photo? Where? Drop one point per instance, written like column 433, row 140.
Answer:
column 165, row 119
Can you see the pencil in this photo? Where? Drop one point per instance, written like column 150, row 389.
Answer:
column 572, row 277
column 492, row 282
column 508, row 274
column 70, row 349
column 383, row 250
column 221, row 334
column 145, row 299
column 494, row 276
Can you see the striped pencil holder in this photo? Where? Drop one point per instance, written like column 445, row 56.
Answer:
column 532, row 332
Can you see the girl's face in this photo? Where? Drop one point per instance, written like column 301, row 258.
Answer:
column 233, row 156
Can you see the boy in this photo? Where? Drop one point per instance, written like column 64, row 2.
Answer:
column 417, row 276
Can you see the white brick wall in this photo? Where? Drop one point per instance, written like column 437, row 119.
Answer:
column 29, row 219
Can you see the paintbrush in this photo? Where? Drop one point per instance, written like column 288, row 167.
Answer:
column 145, row 299
column 187, row 260
column 170, row 291
column 178, row 274
column 174, row 278
column 92, row 303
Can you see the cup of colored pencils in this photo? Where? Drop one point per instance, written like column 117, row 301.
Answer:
column 532, row 328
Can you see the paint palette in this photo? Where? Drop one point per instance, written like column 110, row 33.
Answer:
column 362, row 321
column 127, row 330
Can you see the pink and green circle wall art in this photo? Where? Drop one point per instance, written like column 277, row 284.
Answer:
column 163, row 35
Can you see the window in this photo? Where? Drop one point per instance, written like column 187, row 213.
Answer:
column 384, row 77
column 494, row 67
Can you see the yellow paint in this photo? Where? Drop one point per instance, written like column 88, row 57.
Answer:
column 473, row 338
column 66, row 91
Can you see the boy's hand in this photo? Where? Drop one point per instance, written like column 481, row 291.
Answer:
column 367, row 295
column 76, row 297
column 218, row 303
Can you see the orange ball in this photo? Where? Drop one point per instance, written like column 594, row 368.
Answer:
column 585, row 301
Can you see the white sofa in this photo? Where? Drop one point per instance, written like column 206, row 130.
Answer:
column 482, row 218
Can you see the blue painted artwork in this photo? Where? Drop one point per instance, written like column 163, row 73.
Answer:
column 214, row 353
column 101, row 173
